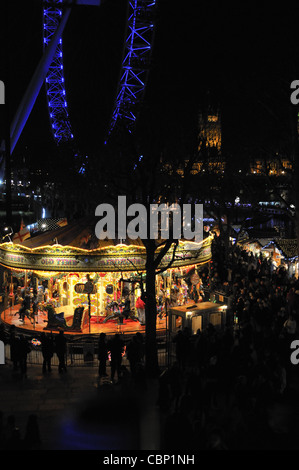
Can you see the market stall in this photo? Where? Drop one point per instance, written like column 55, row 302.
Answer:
column 283, row 252
column 197, row 316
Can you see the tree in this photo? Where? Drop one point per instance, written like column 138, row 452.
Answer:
column 138, row 167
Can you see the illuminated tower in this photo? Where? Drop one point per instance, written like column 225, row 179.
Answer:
column 210, row 141
column 210, row 131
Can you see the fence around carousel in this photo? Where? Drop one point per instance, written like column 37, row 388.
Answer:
column 83, row 352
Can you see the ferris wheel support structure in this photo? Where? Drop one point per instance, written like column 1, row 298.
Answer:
column 39, row 76
column 35, row 85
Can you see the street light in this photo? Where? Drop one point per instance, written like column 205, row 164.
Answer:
column 8, row 232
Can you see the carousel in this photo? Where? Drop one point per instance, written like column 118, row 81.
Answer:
column 69, row 279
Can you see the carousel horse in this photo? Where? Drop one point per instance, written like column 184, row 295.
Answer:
column 114, row 310
column 55, row 320
column 128, row 312
column 26, row 311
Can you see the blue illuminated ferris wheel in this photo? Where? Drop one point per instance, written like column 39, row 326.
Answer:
column 134, row 70
column 55, row 87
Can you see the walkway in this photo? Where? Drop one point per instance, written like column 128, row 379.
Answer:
column 77, row 411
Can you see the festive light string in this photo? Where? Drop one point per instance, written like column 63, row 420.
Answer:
column 67, row 273
column 60, row 248
column 280, row 251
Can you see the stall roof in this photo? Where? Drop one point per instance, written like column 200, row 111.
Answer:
column 261, row 241
column 287, row 246
column 198, row 308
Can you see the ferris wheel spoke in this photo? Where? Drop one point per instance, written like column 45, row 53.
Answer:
column 135, row 65
column 135, row 68
column 55, row 83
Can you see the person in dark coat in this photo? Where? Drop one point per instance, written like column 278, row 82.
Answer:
column 182, row 347
column 134, row 354
column 60, row 346
column 116, row 349
column 14, row 343
column 24, row 349
column 102, row 354
column 47, row 351
column 127, row 308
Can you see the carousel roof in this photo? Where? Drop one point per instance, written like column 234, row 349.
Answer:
column 75, row 247
column 77, row 234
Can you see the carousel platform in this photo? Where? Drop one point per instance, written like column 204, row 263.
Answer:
column 10, row 316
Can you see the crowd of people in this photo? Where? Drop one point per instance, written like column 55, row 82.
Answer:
column 20, row 347
column 229, row 388
column 114, row 350
column 234, row 388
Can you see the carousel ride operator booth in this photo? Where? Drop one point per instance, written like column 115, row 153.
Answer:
column 75, row 282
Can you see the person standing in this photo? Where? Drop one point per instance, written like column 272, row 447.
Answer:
column 135, row 354
column 60, row 345
column 47, row 351
column 102, row 354
column 140, row 306
column 127, row 308
column 14, row 343
column 116, row 349
column 24, row 351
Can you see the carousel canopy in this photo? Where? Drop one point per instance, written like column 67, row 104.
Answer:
column 75, row 248
column 78, row 234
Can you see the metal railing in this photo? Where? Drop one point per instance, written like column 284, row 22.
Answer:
column 84, row 353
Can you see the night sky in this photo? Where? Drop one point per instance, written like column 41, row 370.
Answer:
column 244, row 58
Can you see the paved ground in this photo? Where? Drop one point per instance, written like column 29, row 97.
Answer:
column 76, row 410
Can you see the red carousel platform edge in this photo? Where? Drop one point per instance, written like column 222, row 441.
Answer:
column 10, row 316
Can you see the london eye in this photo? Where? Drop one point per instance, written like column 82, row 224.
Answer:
column 133, row 75
column 136, row 59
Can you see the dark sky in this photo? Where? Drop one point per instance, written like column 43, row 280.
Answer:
column 245, row 57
